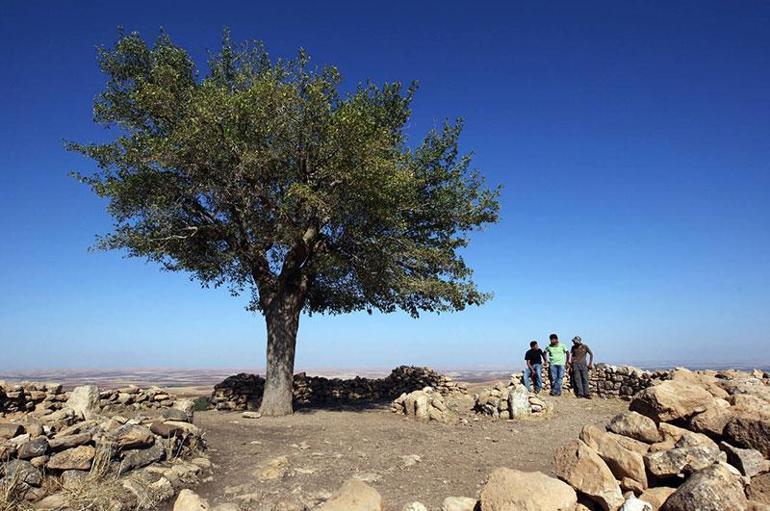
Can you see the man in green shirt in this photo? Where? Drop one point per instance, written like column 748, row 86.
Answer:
column 558, row 357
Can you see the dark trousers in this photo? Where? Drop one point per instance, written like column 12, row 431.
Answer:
column 580, row 374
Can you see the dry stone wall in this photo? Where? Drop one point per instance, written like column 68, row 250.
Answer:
column 608, row 380
column 47, row 397
column 244, row 391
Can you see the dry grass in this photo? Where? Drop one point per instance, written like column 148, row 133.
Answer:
column 12, row 493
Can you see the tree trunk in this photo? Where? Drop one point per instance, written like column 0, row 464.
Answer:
column 282, row 320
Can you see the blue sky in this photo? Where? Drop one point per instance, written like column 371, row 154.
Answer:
column 632, row 140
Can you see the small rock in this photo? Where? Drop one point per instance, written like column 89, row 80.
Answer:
column 354, row 495
column 190, row 501
column 459, row 504
column 251, row 415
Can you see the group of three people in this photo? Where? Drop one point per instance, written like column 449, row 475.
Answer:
column 578, row 360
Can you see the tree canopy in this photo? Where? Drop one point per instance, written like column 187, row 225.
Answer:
column 262, row 175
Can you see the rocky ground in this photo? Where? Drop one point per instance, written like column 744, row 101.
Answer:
column 310, row 454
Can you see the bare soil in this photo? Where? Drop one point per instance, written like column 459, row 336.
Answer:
column 323, row 448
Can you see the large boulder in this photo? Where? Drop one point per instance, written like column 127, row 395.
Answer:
column 751, row 433
column 624, row 463
column 513, row 490
column 715, row 488
column 84, row 400
column 583, row 469
column 712, row 421
column 680, row 460
column 354, row 495
column 672, row 400
column 635, row 425
column 749, row 462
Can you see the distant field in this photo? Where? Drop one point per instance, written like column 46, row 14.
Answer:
column 174, row 377
column 171, row 377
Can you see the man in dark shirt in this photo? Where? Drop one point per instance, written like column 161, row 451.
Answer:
column 580, row 368
column 534, row 359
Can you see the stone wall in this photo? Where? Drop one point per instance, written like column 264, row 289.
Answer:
column 25, row 397
column 608, row 380
column 42, row 398
column 244, row 391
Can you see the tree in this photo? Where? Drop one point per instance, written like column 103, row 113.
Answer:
column 263, row 177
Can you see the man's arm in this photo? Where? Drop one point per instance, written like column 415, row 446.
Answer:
column 590, row 357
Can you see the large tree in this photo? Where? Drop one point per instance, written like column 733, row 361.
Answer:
column 262, row 176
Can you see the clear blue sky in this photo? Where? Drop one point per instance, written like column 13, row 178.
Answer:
column 632, row 139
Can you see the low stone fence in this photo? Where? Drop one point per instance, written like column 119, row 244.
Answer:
column 45, row 397
column 606, row 380
column 244, row 391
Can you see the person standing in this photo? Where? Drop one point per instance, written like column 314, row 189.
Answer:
column 579, row 353
column 534, row 371
column 558, row 357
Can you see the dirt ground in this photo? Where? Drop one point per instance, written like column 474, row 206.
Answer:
column 310, row 454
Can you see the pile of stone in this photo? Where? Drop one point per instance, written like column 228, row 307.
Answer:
column 511, row 401
column 694, row 441
column 25, row 397
column 52, row 458
column 423, row 405
column 244, row 391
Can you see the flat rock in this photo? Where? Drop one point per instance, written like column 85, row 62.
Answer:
column 714, row 488
column 174, row 414
column 59, row 443
column 513, row 490
column 354, row 495
column 77, row 458
column 459, row 504
column 190, row 501
column 132, row 436
column 165, row 430
column 583, row 469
